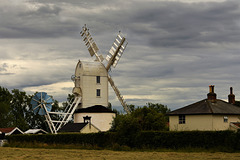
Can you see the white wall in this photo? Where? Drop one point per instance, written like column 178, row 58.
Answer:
column 192, row 122
column 87, row 86
column 202, row 122
column 89, row 90
column 102, row 121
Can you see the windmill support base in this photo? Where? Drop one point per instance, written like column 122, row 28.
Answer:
column 55, row 125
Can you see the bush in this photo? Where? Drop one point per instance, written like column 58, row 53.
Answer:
column 218, row 140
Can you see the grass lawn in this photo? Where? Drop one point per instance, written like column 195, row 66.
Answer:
column 42, row 154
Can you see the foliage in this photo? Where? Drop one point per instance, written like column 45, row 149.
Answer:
column 19, row 108
column 16, row 111
column 70, row 98
column 146, row 118
column 217, row 140
column 109, row 106
column 65, row 104
column 5, row 116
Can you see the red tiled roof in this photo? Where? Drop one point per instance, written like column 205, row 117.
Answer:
column 7, row 130
column 236, row 124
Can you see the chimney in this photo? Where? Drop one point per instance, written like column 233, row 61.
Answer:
column 211, row 95
column 231, row 97
column 87, row 119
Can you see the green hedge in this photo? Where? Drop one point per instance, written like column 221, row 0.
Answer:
column 100, row 139
column 151, row 140
column 195, row 139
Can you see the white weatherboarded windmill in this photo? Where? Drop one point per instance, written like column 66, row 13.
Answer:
column 91, row 78
column 91, row 82
column 90, row 90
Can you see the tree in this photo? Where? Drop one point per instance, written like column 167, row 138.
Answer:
column 19, row 107
column 131, row 107
column 70, row 99
column 150, row 118
column 5, row 116
column 16, row 110
column 146, row 118
column 160, row 108
column 109, row 106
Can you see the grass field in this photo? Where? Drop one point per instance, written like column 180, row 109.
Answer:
column 58, row 154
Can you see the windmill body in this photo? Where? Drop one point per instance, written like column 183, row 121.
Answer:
column 91, row 83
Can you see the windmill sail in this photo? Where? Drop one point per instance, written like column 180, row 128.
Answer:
column 118, row 94
column 116, row 51
column 89, row 42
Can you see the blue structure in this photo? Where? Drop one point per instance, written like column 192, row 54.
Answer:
column 40, row 102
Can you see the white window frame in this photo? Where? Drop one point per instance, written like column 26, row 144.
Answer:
column 225, row 119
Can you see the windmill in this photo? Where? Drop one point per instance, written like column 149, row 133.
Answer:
column 83, row 91
column 111, row 59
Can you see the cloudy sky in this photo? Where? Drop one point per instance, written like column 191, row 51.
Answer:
column 176, row 48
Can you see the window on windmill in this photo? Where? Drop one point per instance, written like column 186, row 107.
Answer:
column 98, row 92
column 182, row 119
column 225, row 119
column 98, row 79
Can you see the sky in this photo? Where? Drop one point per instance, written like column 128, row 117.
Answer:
column 176, row 48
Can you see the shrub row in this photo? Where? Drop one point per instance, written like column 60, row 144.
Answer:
column 193, row 139
column 148, row 140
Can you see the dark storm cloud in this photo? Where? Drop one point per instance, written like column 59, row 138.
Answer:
column 176, row 24
column 163, row 24
column 151, row 71
column 40, row 21
column 46, row 10
column 175, row 49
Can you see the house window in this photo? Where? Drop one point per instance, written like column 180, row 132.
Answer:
column 98, row 92
column 225, row 119
column 98, row 79
column 182, row 119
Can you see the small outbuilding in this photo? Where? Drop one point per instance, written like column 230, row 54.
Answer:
column 11, row 130
column 85, row 127
column 79, row 128
column 209, row 114
column 35, row 131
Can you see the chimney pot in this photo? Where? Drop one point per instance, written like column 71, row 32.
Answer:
column 231, row 97
column 211, row 95
column 211, row 89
